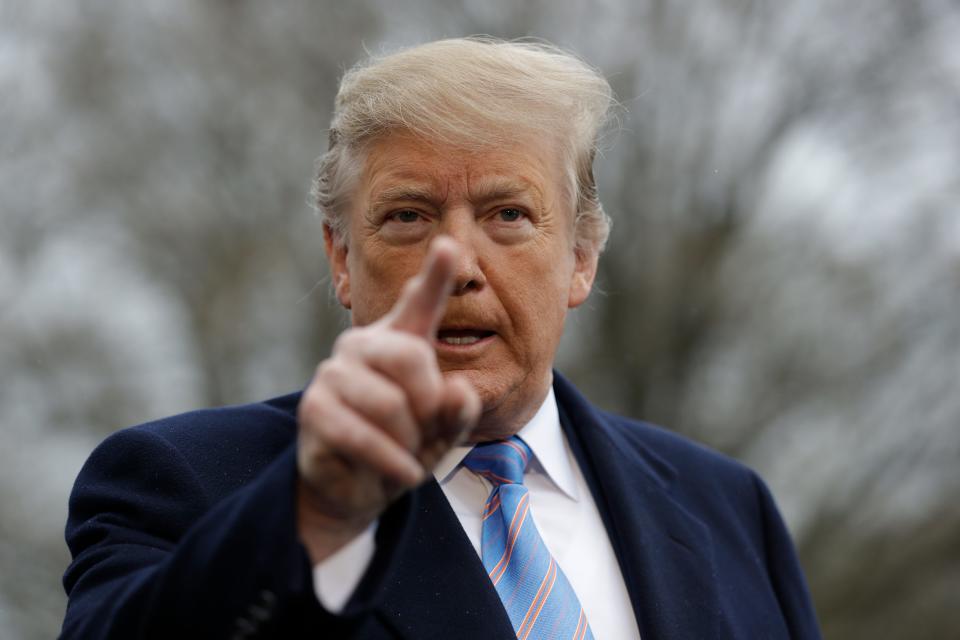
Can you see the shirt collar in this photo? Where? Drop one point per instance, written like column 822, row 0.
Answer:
column 544, row 437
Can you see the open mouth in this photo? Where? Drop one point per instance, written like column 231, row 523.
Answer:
column 462, row 337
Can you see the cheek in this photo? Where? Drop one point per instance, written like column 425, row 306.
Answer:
column 377, row 280
column 539, row 275
column 539, row 309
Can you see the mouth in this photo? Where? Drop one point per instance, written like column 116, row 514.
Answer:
column 463, row 337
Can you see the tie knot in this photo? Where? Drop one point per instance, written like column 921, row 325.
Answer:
column 500, row 462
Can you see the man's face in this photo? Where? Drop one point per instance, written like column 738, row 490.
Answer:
column 516, row 277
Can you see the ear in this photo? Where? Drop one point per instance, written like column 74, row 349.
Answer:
column 584, row 271
column 337, row 257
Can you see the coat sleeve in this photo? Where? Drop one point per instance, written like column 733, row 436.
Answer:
column 155, row 557
column 784, row 570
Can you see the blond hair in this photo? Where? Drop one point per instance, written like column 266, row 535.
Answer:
column 473, row 93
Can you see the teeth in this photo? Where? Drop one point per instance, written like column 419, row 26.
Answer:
column 459, row 340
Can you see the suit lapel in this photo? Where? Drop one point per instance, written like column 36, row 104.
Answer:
column 440, row 588
column 664, row 552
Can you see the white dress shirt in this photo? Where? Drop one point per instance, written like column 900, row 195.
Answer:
column 563, row 510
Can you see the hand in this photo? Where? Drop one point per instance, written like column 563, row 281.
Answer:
column 378, row 414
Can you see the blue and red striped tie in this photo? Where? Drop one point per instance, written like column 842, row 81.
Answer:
column 537, row 596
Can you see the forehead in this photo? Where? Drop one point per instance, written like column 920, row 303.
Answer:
column 399, row 160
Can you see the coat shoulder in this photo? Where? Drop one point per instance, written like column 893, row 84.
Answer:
column 668, row 454
column 679, row 451
column 222, row 448
column 255, row 419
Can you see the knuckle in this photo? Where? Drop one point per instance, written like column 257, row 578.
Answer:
column 350, row 341
column 390, row 403
column 311, row 405
column 336, row 373
column 418, row 354
column 397, row 351
column 340, row 436
column 326, row 370
column 359, row 441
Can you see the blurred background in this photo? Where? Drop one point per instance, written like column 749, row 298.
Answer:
column 782, row 283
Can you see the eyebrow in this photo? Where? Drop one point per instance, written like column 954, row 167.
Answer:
column 403, row 192
column 497, row 188
column 488, row 189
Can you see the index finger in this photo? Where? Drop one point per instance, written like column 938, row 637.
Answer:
column 424, row 297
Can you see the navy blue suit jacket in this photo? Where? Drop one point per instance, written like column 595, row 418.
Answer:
column 185, row 527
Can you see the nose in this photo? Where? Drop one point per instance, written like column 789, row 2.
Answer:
column 468, row 276
column 468, row 272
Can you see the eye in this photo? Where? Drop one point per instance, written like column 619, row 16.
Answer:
column 510, row 214
column 406, row 215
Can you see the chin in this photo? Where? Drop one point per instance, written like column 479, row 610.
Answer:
column 508, row 402
column 491, row 388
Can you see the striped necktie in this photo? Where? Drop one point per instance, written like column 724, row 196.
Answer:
column 537, row 596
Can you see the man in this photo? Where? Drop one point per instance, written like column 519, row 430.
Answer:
column 461, row 222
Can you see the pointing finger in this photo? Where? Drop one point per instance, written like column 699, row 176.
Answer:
column 424, row 297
